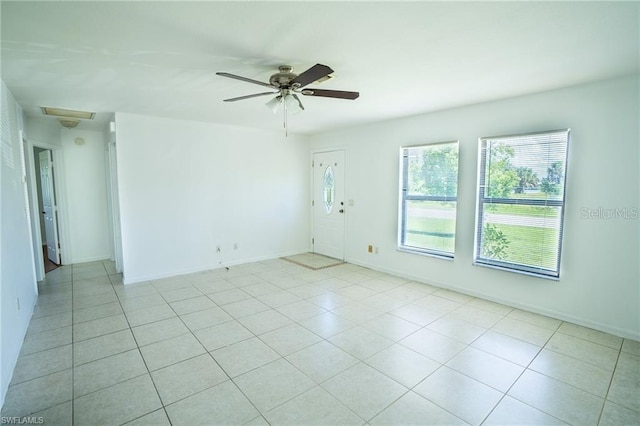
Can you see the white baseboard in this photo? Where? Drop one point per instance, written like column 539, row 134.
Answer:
column 585, row 322
column 75, row 261
column 137, row 279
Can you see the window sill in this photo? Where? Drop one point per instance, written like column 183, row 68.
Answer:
column 438, row 255
column 517, row 271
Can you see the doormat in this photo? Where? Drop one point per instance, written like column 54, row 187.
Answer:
column 313, row 261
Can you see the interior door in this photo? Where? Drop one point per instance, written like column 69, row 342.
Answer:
column 328, row 204
column 49, row 206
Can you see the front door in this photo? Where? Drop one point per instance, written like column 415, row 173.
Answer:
column 49, row 207
column 328, row 204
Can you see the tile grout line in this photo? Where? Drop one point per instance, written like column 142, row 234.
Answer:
column 444, row 364
column 73, row 398
column 144, row 361
column 613, row 373
column 284, row 358
column 411, row 389
column 229, row 378
column 506, row 393
column 281, row 357
column 360, row 361
column 222, row 368
column 206, row 351
column 73, row 360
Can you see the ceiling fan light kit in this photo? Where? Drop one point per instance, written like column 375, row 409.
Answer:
column 288, row 85
column 69, row 123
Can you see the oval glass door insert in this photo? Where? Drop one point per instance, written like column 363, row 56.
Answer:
column 329, row 189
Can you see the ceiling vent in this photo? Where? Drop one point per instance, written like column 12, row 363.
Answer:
column 67, row 113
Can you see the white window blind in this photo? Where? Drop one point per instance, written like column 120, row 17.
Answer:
column 521, row 196
column 428, row 197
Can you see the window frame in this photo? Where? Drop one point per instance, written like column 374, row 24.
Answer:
column 403, row 198
column 481, row 200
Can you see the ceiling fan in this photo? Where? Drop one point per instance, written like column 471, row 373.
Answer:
column 286, row 85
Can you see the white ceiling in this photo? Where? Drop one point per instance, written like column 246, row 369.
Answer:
column 405, row 58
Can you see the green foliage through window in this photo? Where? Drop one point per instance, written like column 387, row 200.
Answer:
column 520, row 202
column 429, row 176
column 503, row 177
column 494, row 242
column 434, row 171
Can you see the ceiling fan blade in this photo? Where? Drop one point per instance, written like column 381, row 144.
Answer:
column 330, row 93
column 299, row 101
column 314, row 73
column 239, row 98
column 248, row 80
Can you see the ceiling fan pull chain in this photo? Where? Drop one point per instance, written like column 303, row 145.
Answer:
column 286, row 128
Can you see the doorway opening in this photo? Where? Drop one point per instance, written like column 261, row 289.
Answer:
column 47, row 207
column 48, row 265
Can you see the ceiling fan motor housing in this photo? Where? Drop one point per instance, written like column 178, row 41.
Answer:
column 284, row 78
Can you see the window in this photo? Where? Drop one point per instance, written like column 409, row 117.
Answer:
column 429, row 186
column 328, row 185
column 521, row 187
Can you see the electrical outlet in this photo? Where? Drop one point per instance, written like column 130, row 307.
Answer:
column 218, row 249
column 235, row 246
column 370, row 248
column 377, row 250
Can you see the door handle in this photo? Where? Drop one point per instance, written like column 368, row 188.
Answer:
column 341, row 211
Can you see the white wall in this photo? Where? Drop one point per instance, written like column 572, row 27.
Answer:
column 599, row 284
column 17, row 275
column 43, row 131
column 85, row 184
column 186, row 187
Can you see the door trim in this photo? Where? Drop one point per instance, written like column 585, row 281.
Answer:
column 34, row 206
column 113, row 198
column 313, row 152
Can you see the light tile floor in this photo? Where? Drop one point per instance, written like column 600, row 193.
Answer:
column 275, row 343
